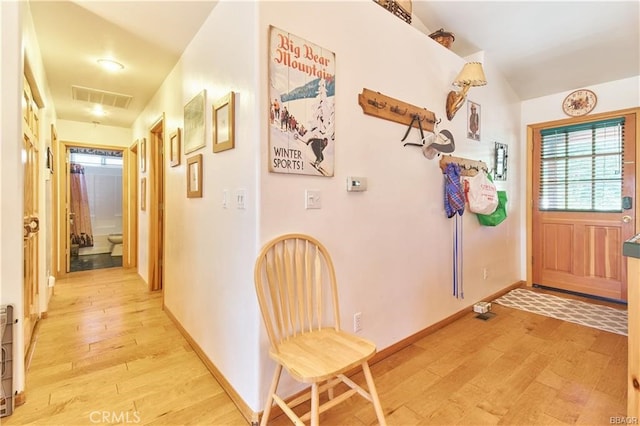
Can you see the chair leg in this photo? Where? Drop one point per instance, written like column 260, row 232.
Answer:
column 272, row 390
column 374, row 394
column 315, row 403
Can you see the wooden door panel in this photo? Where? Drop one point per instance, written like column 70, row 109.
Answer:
column 603, row 253
column 557, row 242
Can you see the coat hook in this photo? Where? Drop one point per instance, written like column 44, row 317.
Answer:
column 377, row 104
column 396, row 109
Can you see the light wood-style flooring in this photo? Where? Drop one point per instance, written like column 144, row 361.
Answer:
column 108, row 347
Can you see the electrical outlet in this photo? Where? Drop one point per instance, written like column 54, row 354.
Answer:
column 241, row 198
column 357, row 322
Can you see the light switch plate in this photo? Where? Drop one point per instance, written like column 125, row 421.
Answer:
column 312, row 199
column 356, row 183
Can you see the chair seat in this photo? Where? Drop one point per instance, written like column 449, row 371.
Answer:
column 322, row 354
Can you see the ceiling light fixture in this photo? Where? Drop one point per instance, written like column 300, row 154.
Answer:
column 471, row 75
column 98, row 111
column 110, row 65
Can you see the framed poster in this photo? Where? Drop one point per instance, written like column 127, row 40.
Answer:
column 194, row 122
column 143, row 155
column 473, row 120
column 301, row 106
column 143, row 194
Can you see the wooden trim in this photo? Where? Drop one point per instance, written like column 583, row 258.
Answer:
column 633, row 389
column 276, row 411
column 20, row 399
column 155, row 173
column 244, row 409
column 529, row 209
column 55, row 210
column 62, row 178
column 132, row 213
column 407, row 341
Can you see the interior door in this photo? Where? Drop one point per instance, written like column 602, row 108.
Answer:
column 580, row 249
column 30, row 237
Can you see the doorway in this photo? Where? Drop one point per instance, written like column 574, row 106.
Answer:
column 583, row 191
column 111, row 166
column 96, row 208
column 156, row 205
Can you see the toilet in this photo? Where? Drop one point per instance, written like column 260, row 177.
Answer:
column 116, row 241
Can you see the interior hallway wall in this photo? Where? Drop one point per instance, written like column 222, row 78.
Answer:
column 391, row 245
column 210, row 249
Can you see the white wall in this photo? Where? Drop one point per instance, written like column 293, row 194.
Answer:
column 11, row 258
column 209, row 250
column 88, row 133
column 392, row 244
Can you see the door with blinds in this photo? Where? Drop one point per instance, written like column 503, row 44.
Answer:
column 583, row 205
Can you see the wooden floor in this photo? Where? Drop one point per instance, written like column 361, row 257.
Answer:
column 107, row 353
column 107, row 347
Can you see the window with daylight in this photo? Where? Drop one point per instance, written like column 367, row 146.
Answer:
column 581, row 167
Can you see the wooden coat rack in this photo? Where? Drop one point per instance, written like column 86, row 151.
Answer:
column 388, row 108
column 467, row 167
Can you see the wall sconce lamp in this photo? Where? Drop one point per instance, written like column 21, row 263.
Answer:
column 471, row 75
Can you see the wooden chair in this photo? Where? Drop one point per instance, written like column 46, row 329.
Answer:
column 296, row 287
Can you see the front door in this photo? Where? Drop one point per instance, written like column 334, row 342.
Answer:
column 583, row 204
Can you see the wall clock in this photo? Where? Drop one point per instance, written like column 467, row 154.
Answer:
column 579, row 102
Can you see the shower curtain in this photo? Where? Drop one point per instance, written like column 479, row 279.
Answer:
column 80, row 223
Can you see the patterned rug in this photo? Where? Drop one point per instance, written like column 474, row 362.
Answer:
column 592, row 315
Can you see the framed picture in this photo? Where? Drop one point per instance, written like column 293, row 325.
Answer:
column 473, row 120
column 194, row 122
column 224, row 123
column 174, row 147
column 143, row 155
column 194, row 176
column 50, row 160
column 143, row 194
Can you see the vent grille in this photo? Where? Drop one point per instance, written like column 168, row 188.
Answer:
column 102, row 97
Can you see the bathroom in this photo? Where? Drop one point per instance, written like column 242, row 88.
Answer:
column 96, row 209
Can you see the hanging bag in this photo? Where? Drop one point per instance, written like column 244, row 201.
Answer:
column 482, row 194
column 499, row 215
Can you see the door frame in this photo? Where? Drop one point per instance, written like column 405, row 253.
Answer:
column 531, row 129
column 156, row 175
column 62, row 250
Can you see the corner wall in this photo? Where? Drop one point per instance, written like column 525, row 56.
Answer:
column 391, row 245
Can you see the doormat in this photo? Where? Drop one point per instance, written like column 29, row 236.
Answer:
column 588, row 314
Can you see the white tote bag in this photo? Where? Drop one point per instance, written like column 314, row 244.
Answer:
column 482, row 194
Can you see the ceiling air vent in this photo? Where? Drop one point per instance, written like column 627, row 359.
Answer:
column 102, row 97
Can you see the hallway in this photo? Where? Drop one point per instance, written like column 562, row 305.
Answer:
column 107, row 353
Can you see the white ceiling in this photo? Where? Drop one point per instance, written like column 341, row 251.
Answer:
column 541, row 47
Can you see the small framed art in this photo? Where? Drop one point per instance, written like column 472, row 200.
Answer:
column 194, row 176
column 224, row 123
column 194, row 123
column 143, row 194
column 174, row 147
column 143, row 155
column 473, row 120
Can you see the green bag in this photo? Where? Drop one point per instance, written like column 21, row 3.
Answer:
column 498, row 216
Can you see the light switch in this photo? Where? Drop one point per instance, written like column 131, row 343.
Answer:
column 225, row 198
column 356, row 184
column 312, row 199
column 241, row 198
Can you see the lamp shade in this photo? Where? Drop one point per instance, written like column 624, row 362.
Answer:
column 471, row 75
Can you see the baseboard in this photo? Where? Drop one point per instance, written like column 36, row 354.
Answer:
column 245, row 410
column 408, row 341
column 253, row 417
column 20, row 399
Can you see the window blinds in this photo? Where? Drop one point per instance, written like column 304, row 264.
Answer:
column 581, row 167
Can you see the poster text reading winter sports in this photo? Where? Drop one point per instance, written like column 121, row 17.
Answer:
column 301, row 106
